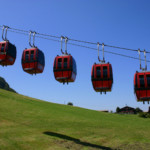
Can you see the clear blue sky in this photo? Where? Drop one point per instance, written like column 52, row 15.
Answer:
column 118, row 22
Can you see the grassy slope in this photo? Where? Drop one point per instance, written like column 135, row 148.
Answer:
column 26, row 123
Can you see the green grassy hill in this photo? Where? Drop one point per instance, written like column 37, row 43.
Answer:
column 30, row 124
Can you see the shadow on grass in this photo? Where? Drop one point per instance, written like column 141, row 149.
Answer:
column 75, row 140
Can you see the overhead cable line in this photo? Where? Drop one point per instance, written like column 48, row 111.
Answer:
column 23, row 32
column 75, row 40
column 134, row 50
column 127, row 56
column 27, row 34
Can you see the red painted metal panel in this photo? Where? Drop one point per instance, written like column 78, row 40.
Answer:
column 32, row 66
column 64, row 73
column 100, row 82
column 5, row 58
column 142, row 92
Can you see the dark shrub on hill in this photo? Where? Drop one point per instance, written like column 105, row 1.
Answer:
column 148, row 115
column 144, row 115
column 4, row 85
column 138, row 110
column 69, row 103
column 117, row 110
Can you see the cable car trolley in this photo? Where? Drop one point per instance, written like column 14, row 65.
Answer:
column 102, row 75
column 142, row 82
column 7, row 50
column 33, row 60
column 64, row 66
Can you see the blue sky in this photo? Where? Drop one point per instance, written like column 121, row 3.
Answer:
column 123, row 23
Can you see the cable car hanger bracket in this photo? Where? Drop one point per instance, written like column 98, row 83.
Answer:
column 102, row 61
column 143, row 69
column 4, row 30
column 33, row 34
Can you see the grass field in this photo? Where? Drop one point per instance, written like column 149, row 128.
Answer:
column 30, row 124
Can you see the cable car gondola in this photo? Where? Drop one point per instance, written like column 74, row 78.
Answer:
column 64, row 66
column 33, row 60
column 142, row 83
column 102, row 75
column 7, row 50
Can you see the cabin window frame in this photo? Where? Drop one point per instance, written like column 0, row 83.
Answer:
column 98, row 74
column 32, row 53
column 3, row 47
column 65, row 63
column 27, row 54
column 105, row 72
column 148, row 80
column 142, row 82
column 59, row 63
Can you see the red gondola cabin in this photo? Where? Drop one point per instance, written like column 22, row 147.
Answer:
column 142, row 86
column 64, row 68
column 33, row 61
column 102, row 77
column 7, row 53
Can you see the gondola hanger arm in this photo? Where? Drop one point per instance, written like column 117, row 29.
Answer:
column 62, row 38
column 66, row 41
column 4, row 30
column 98, row 52
column 32, row 33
